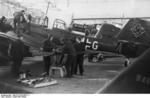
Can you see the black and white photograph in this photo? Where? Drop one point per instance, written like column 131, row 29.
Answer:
column 74, row 47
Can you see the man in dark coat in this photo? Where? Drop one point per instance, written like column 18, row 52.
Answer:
column 18, row 18
column 48, row 46
column 69, row 57
column 2, row 23
column 17, row 55
column 19, row 22
column 28, row 25
column 80, row 48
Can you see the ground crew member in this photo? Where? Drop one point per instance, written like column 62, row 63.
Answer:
column 48, row 46
column 69, row 55
column 28, row 25
column 80, row 48
column 2, row 20
column 17, row 55
column 2, row 23
column 19, row 20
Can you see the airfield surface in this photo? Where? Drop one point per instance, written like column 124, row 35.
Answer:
column 95, row 77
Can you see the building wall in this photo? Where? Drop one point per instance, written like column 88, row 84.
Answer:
column 108, row 8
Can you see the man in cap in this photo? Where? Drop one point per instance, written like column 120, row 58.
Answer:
column 17, row 55
column 2, row 23
column 80, row 48
column 69, row 56
column 48, row 46
column 19, row 21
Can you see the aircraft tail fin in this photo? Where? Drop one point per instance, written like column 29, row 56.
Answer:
column 136, row 30
column 107, row 33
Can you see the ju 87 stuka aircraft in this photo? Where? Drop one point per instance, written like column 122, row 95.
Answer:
column 105, row 32
column 131, row 41
column 135, row 38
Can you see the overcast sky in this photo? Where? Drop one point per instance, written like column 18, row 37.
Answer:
column 98, row 8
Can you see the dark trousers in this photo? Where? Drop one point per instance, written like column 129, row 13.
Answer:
column 79, row 64
column 21, row 27
column 70, row 65
column 18, row 28
column 27, row 27
column 15, row 24
column 47, row 63
column 15, row 68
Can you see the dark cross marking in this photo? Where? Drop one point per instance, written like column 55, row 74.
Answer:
column 137, row 29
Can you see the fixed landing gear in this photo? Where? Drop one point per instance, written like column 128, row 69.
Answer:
column 95, row 57
column 126, row 62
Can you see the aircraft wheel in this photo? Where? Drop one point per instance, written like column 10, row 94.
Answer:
column 94, row 59
column 126, row 62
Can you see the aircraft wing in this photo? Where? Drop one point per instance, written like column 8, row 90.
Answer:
column 5, row 42
column 108, row 44
column 135, row 79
